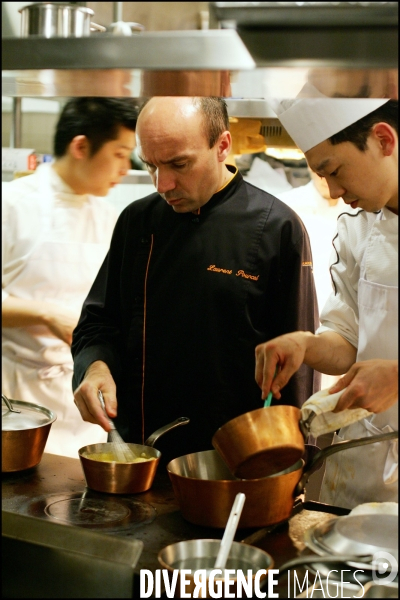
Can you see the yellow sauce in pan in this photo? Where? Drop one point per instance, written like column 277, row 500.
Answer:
column 110, row 457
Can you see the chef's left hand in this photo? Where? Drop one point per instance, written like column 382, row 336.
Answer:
column 371, row 384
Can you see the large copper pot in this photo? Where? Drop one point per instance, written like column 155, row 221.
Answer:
column 205, row 488
column 24, row 432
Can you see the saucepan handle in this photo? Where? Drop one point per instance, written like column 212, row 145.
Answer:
column 305, row 425
column 154, row 436
column 323, row 454
column 7, row 402
column 97, row 27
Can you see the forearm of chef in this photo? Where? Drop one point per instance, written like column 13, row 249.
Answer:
column 329, row 352
column 18, row 312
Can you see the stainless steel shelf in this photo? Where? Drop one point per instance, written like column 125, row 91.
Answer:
column 184, row 50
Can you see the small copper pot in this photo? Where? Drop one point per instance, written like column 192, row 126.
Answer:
column 126, row 477
column 25, row 429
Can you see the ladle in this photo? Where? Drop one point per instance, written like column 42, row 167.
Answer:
column 230, row 530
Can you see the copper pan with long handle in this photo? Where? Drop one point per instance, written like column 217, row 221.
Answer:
column 205, row 488
column 128, row 477
column 262, row 442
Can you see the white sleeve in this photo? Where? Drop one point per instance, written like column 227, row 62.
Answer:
column 5, row 239
column 340, row 313
column 20, row 227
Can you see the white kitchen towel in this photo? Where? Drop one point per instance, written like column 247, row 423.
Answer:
column 376, row 508
column 322, row 404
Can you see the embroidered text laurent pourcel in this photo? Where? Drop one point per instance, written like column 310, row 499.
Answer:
column 247, row 276
column 229, row 272
column 214, row 268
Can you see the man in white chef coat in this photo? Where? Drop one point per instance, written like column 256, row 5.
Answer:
column 319, row 213
column 56, row 232
column 353, row 143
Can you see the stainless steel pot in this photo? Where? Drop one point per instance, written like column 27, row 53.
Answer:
column 50, row 20
column 24, row 432
column 205, row 488
column 201, row 554
column 124, row 477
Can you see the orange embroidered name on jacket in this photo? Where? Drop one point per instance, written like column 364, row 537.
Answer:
column 229, row 272
column 247, row 276
column 214, row 268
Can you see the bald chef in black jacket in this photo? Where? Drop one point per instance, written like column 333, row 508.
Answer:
column 197, row 275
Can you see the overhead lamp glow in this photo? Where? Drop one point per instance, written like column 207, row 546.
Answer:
column 285, row 153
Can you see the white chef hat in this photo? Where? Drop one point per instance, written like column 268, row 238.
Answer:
column 312, row 117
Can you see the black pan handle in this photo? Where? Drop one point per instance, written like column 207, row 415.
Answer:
column 323, row 454
column 151, row 440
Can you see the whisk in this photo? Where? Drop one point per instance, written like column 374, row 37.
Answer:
column 120, row 448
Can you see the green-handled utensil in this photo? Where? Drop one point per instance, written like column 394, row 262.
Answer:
column 268, row 399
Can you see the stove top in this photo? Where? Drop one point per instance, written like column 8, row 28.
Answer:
column 92, row 510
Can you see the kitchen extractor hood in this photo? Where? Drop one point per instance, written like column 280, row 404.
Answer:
column 313, row 34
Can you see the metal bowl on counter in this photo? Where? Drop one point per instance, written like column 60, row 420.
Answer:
column 201, row 554
column 25, row 428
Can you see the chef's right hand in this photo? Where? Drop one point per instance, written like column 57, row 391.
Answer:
column 97, row 377
column 283, row 355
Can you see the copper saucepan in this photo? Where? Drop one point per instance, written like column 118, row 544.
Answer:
column 262, row 442
column 205, row 488
column 124, row 477
column 24, row 431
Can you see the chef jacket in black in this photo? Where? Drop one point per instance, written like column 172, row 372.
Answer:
column 182, row 300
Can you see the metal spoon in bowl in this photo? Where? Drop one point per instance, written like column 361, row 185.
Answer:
column 230, row 530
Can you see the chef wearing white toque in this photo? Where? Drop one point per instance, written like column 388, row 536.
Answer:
column 353, row 144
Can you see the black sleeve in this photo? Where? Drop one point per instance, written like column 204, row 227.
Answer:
column 301, row 311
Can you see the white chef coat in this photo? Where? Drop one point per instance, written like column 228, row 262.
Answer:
column 320, row 220
column 365, row 312
column 53, row 244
